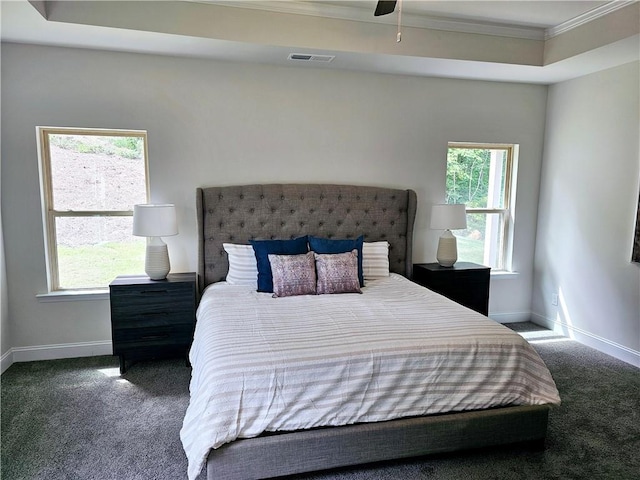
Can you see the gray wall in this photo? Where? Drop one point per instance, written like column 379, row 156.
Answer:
column 588, row 203
column 214, row 123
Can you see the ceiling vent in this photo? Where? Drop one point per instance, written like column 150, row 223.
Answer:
column 305, row 57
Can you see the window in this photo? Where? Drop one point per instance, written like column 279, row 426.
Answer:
column 90, row 180
column 480, row 176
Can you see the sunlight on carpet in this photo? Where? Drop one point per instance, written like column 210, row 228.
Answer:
column 110, row 372
column 543, row 336
column 114, row 373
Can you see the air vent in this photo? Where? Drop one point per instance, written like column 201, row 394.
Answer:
column 305, row 57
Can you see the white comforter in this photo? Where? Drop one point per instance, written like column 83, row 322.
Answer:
column 268, row 364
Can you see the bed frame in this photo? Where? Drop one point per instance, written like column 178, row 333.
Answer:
column 237, row 214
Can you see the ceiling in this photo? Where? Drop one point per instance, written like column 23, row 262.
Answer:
column 518, row 41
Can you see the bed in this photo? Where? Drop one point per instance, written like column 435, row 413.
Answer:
column 264, row 445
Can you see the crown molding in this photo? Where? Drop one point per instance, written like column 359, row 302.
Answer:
column 587, row 17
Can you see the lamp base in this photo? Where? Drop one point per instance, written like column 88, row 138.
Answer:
column 156, row 262
column 447, row 253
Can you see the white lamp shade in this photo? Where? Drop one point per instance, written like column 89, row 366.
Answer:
column 448, row 217
column 151, row 220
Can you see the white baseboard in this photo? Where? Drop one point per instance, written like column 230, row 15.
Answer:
column 601, row 344
column 67, row 350
column 6, row 360
column 514, row 317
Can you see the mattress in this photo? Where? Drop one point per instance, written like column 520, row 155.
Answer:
column 263, row 364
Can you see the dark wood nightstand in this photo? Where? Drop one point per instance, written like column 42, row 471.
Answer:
column 466, row 283
column 152, row 318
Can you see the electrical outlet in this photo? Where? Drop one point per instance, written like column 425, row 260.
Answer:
column 554, row 299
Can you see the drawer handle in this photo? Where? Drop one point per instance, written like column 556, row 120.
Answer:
column 154, row 337
column 145, row 292
column 155, row 314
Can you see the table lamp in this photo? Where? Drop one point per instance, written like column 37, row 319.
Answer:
column 448, row 217
column 154, row 221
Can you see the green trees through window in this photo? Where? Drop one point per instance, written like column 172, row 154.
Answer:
column 479, row 176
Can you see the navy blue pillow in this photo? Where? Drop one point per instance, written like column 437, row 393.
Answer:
column 329, row 245
column 263, row 248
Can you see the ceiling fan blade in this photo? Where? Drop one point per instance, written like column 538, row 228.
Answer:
column 384, row 7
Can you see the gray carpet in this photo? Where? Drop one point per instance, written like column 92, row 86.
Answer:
column 78, row 419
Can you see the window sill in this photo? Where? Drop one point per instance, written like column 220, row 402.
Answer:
column 73, row 296
column 503, row 274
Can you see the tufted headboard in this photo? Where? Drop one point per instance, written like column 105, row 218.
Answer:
column 238, row 214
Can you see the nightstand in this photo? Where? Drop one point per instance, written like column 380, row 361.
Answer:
column 466, row 283
column 152, row 318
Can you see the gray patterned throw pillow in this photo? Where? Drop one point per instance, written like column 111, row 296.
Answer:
column 337, row 272
column 293, row 274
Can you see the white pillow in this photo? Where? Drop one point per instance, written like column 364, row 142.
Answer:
column 375, row 260
column 243, row 268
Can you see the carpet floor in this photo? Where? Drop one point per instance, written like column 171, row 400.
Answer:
column 79, row 419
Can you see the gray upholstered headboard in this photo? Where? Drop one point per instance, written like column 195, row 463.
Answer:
column 238, row 214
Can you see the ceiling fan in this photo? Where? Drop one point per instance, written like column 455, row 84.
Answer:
column 385, row 7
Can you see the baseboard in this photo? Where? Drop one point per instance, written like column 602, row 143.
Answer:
column 6, row 360
column 67, row 350
column 601, row 344
column 514, row 317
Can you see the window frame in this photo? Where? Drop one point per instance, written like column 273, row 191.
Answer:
column 505, row 213
column 50, row 214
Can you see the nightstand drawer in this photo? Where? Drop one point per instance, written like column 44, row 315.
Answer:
column 151, row 318
column 127, row 339
column 138, row 314
column 157, row 295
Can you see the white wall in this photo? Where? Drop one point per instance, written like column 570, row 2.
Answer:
column 5, row 333
column 586, row 219
column 215, row 123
